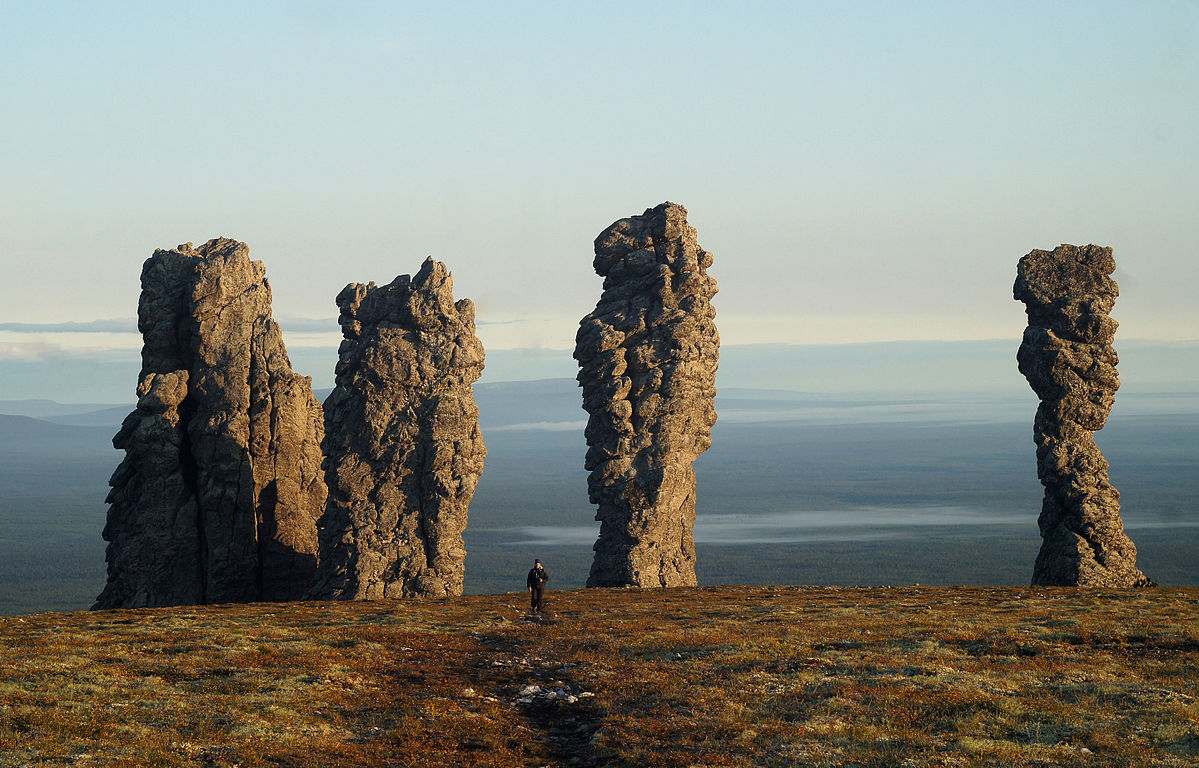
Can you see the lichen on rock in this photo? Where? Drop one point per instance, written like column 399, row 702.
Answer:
column 1069, row 361
column 648, row 356
column 218, row 495
column 403, row 447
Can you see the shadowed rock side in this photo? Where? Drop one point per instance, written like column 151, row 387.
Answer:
column 403, row 447
column 221, row 486
column 647, row 358
column 1068, row 359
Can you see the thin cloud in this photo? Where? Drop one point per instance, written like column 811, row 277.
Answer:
column 129, row 325
column 46, row 352
column 37, row 352
column 309, row 324
column 115, row 325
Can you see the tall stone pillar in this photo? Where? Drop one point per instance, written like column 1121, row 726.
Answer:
column 402, row 442
column 1068, row 359
column 218, row 495
column 648, row 357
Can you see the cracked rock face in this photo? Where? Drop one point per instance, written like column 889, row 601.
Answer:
column 1068, row 359
column 647, row 357
column 220, row 489
column 403, row 447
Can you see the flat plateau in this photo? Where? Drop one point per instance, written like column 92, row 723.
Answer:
column 715, row 676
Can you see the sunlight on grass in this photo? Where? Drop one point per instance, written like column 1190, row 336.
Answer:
column 725, row 676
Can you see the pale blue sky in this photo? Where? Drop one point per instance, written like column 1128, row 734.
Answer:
column 861, row 171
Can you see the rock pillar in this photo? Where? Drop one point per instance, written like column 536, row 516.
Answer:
column 647, row 358
column 402, row 442
column 218, row 495
column 1068, row 359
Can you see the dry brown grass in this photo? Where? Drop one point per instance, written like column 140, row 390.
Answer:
column 725, row 676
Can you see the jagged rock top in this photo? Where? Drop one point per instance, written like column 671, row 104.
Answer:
column 1069, row 291
column 631, row 247
column 423, row 302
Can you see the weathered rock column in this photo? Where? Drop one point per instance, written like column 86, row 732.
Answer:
column 647, row 357
column 402, row 442
column 1068, row 359
column 218, row 495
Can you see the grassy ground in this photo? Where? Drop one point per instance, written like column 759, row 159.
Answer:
column 724, row 676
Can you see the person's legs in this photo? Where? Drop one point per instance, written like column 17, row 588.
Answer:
column 536, row 600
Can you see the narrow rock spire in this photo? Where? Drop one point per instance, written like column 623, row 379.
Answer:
column 1068, row 359
column 647, row 357
column 218, row 495
column 403, row 447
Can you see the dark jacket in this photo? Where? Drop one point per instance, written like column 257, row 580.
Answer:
column 537, row 578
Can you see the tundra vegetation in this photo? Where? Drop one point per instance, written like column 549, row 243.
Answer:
column 716, row 676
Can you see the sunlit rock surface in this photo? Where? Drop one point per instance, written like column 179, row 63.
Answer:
column 403, row 447
column 218, row 495
column 1068, row 359
column 648, row 357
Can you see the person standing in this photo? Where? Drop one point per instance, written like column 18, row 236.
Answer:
column 536, row 582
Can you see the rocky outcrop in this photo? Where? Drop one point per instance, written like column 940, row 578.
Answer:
column 647, row 358
column 220, row 489
column 1068, row 359
column 402, row 442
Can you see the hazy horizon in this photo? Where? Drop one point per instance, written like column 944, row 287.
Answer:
column 987, row 366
